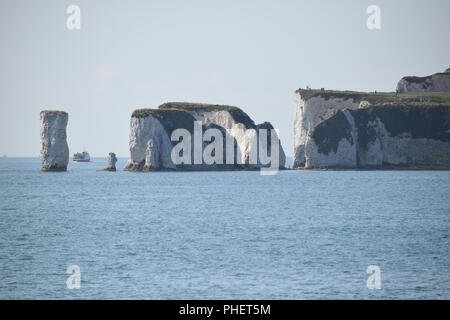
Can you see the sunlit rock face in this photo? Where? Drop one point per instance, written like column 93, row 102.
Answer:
column 151, row 131
column 54, row 148
column 310, row 111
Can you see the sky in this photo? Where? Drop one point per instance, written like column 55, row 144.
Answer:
column 250, row 54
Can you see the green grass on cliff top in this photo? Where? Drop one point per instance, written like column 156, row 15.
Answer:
column 198, row 106
column 382, row 98
column 187, row 106
column 417, row 79
column 53, row 111
column 168, row 110
column 171, row 119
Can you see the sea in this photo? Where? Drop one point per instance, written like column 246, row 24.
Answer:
column 85, row 234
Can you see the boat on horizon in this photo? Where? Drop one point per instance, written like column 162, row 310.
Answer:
column 81, row 157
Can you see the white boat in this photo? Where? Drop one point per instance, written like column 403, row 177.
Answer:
column 81, row 157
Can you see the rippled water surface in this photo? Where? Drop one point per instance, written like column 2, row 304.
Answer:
column 221, row 235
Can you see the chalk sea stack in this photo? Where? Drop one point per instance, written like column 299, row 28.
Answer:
column 151, row 131
column 54, row 148
column 346, row 129
column 111, row 162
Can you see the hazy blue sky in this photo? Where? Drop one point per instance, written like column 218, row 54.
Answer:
column 251, row 54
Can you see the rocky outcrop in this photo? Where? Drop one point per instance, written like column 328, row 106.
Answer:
column 54, row 148
column 111, row 162
column 438, row 82
column 151, row 130
column 314, row 106
column 330, row 129
column 410, row 136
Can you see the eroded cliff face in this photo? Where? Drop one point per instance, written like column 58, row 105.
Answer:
column 54, row 148
column 377, row 136
column 312, row 108
column 150, row 144
column 331, row 128
column 151, row 132
column 438, row 82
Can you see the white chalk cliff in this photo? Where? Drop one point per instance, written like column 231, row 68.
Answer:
column 151, row 129
column 311, row 110
column 438, row 82
column 408, row 128
column 54, row 148
column 360, row 130
column 392, row 136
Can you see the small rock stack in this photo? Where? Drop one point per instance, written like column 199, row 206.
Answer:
column 111, row 162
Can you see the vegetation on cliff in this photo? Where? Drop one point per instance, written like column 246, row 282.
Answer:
column 171, row 119
column 328, row 133
column 382, row 98
column 416, row 79
column 54, row 111
column 175, row 115
column 418, row 121
column 430, row 122
column 237, row 114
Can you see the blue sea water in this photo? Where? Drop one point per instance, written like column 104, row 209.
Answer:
column 222, row 235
